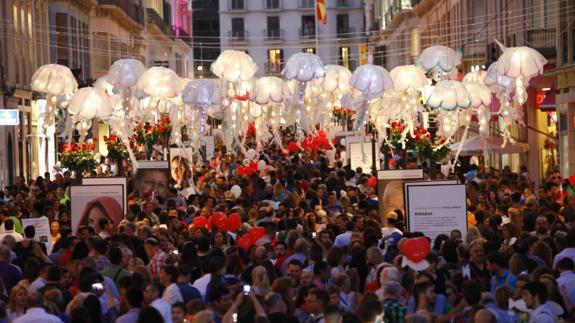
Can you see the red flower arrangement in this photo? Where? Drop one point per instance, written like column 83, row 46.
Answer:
column 148, row 135
column 116, row 149
column 78, row 158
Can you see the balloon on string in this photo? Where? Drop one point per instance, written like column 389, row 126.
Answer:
column 416, row 249
column 221, row 223
column 572, row 180
column 244, row 242
column 372, row 181
column 236, row 190
column 234, row 222
column 251, row 154
column 257, row 233
column 200, row 221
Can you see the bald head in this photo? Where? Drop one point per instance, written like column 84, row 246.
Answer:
column 484, row 316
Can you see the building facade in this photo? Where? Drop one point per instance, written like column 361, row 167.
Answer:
column 564, row 91
column 206, row 35
column 471, row 27
column 270, row 31
column 24, row 46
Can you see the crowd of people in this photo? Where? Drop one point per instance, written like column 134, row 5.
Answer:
column 325, row 254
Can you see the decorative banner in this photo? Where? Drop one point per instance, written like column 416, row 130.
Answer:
column 390, row 188
column 42, row 226
column 436, row 209
column 109, row 181
column 90, row 203
column 180, row 164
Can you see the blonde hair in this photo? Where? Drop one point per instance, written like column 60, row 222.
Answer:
column 260, row 278
column 13, row 292
column 472, row 235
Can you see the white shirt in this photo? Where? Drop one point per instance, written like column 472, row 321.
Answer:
column 566, row 253
column 172, row 294
column 201, row 284
column 567, row 279
column 387, row 231
column 37, row 284
column 35, row 315
column 164, row 309
column 17, row 236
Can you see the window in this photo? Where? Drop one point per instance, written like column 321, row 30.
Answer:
column 101, row 51
column 307, row 26
column 564, row 47
column 344, row 57
column 272, row 4
column 379, row 58
column 342, row 24
column 85, row 51
column 310, row 50
column 273, row 31
column 573, row 45
column 74, row 59
column 238, row 28
column 237, row 4
column 275, row 60
column 62, row 39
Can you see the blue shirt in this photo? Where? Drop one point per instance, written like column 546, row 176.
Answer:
column 342, row 240
column 130, row 317
column 567, row 279
column 506, row 279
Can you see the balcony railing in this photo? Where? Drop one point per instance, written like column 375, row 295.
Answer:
column 237, row 5
column 306, row 3
column 273, row 34
column 135, row 12
column 154, row 18
column 542, row 40
column 345, row 32
column 306, row 33
column 272, row 4
column 274, row 68
column 238, row 35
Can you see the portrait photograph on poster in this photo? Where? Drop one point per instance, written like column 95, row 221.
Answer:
column 390, row 188
column 90, row 203
column 181, row 160
column 153, row 179
column 109, row 181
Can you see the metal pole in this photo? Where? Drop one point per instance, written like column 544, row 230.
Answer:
column 316, row 29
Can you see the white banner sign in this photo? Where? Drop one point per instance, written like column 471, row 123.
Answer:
column 42, row 226
column 436, row 209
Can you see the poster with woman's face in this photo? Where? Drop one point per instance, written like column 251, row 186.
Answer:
column 153, row 178
column 90, row 203
column 180, row 162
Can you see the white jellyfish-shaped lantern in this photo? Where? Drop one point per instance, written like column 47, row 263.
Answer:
column 371, row 81
column 447, row 95
column 125, row 73
column 269, row 89
column 337, row 78
column 54, row 80
column 234, row 66
column 88, row 103
column 408, row 77
column 160, row 82
column 521, row 64
column 440, row 60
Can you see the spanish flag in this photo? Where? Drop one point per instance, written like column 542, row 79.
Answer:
column 320, row 12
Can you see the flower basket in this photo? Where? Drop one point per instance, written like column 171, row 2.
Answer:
column 78, row 158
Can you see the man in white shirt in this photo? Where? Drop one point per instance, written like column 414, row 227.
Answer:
column 36, row 312
column 569, row 251
column 152, row 293
column 9, row 227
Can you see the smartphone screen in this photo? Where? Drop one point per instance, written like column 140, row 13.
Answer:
column 247, row 289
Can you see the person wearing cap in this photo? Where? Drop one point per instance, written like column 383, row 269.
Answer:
column 156, row 255
column 390, row 225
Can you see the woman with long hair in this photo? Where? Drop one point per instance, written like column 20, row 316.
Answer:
column 260, row 281
column 18, row 301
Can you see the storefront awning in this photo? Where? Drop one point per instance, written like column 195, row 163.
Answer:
column 474, row 146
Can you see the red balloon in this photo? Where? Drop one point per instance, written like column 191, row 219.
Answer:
column 200, row 221
column 234, row 222
column 416, row 249
column 257, row 233
column 372, row 181
column 222, row 224
column 572, row 180
column 244, row 242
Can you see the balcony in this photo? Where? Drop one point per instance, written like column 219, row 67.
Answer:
column 154, row 18
column 272, row 4
column 345, row 32
column 236, row 36
column 237, row 5
column 307, row 33
column 273, row 34
column 274, row 68
column 133, row 11
column 543, row 40
column 304, row 4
